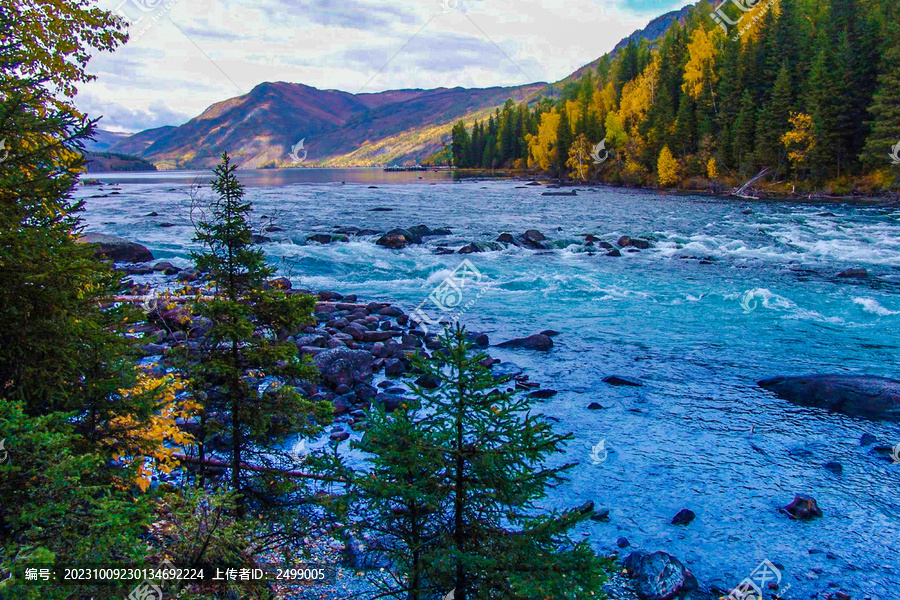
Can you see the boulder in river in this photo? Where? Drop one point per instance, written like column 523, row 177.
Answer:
column 117, row 249
column 616, row 380
column 626, row 241
column 802, row 508
column 659, row 576
column 857, row 395
column 398, row 238
column 533, row 239
column 327, row 238
column 685, row 516
column 533, row 342
column 854, row 274
column 479, row 247
column 343, row 365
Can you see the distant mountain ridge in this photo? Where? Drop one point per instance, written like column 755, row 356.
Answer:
column 337, row 128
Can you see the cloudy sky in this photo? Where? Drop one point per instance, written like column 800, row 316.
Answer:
column 187, row 54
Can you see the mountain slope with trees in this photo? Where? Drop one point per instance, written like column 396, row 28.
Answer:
column 805, row 90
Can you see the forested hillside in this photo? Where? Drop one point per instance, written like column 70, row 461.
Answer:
column 807, row 89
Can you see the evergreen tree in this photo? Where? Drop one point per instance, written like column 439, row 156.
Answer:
column 494, row 545
column 69, row 495
column 402, row 496
column 885, row 109
column 460, row 146
column 245, row 348
column 743, row 132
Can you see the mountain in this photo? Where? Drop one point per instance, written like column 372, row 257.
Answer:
column 104, row 140
column 260, row 129
column 654, row 31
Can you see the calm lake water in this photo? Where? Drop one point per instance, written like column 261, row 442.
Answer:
column 730, row 293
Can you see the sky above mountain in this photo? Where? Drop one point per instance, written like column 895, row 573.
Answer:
column 187, row 54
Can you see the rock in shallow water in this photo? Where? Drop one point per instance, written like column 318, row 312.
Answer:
column 857, row 395
column 534, row 342
column 803, row 508
column 117, row 249
column 344, row 366
column 684, row 517
column 660, row 576
column 616, row 380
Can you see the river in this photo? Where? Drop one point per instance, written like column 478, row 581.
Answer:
column 730, row 292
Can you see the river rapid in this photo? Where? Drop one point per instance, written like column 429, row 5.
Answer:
column 729, row 293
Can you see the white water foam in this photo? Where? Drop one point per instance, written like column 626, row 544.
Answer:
column 870, row 305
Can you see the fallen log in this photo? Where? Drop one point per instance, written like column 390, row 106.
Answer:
column 220, row 464
column 741, row 191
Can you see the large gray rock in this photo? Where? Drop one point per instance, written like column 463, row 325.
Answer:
column 533, row 342
column 117, row 249
column 660, row 576
column 398, row 238
column 344, row 366
column 857, row 395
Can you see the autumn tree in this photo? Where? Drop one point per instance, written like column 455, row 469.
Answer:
column 799, row 141
column 542, row 146
column 667, row 168
column 579, row 161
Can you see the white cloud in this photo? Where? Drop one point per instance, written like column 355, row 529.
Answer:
column 204, row 51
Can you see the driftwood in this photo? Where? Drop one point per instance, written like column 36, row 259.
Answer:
column 219, row 464
column 741, row 191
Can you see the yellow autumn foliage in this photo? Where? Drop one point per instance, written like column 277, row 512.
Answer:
column 155, row 440
column 699, row 71
column 638, row 95
column 542, row 147
column 667, row 168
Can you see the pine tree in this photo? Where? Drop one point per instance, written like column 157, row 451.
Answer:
column 245, row 347
column 743, row 132
column 62, row 360
column 402, row 496
column 460, row 146
column 885, row 109
column 494, row 544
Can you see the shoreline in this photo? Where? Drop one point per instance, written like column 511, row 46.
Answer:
column 766, row 195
